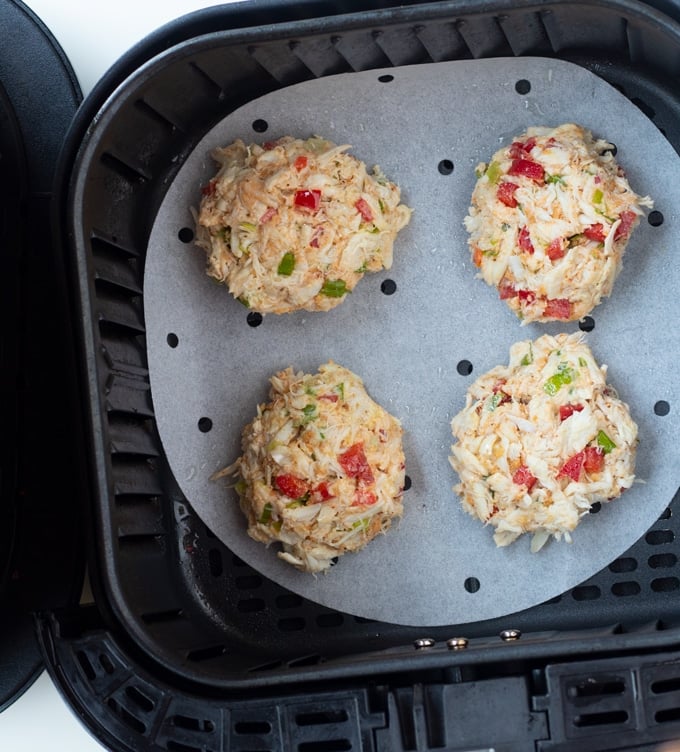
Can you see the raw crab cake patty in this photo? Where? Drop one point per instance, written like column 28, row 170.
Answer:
column 295, row 224
column 550, row 217
column 321, row 469
column 542, row 439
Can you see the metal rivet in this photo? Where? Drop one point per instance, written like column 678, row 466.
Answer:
column 423, row 642
column 457, row 643
column 508, row 635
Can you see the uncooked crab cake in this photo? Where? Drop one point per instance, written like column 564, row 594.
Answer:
column 295, row 224
column 322, row 467
column 541, row 440
column 550, row 218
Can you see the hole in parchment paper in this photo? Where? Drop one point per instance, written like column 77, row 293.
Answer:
column 611, row 150
column 464, row 367
column 655, row 218
column 471, row 584
column 186, row 234
column 386, row 78
column 254, row 318
column 586, row 324
column 172, row 339
column 204, row 425
column 260, row 126
column 522, row 86
column 445, row 167
column 661, row 407
column 388, row 286
column 595, row 508
column 407, row 482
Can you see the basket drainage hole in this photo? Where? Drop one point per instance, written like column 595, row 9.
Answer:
column 388, row 286
column 522, row 86
column 386, row 78
column 252, row 727
column 661, row 407
column 445, row 167
column 601, row 719
column 464, row 367
column 260, row 125
column 204, row 425
column 595, row 508
column 254, row 319
column 586, row 324
column 655, row 218
column 407, row 482
column 186, row 235
column 471, row 584
column 172, row 339
column 192, row 724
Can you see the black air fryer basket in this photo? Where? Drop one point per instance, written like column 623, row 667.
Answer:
column 189, row 648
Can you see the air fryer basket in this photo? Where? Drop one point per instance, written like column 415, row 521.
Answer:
column 169, row 590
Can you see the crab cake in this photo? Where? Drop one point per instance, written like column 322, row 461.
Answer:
column 296, row 224
column 322, row 467
column 549, row 221
column 542, row 439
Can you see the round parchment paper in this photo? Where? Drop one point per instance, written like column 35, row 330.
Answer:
column 207, row 362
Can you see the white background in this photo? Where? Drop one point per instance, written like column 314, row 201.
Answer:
column 93, row 36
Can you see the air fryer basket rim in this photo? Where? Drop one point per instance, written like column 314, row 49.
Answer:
column 99, row 112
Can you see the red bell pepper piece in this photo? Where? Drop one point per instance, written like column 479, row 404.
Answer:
column 528, row 168
column 556, row 249
column 558, row 308
column 627, row 220
column 566, row 411
column 524, row 240
column 506, row 289
column 291, row 486
column 593, row 461
column 526, row 296
column 596, row 233
column 354, row 463
column 523, row 477
column 506, row 194
column 521, row 149
column 572, row 467
column 323, row 492
column 362, row 206
column 305, row 199
column 300, row 162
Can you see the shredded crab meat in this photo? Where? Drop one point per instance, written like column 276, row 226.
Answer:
column 539, row 441
column 322, row 467
column 295, row 224
column 550, row 218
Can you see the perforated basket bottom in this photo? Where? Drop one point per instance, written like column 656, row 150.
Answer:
column 209, row 368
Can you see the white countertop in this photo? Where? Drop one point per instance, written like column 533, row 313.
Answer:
column 93, row 36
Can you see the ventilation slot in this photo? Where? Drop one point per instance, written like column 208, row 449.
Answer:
column 597, row 688
column 192, row 724
column 665, row 685
column 330, row 745
column 153, row 114
column 321, row 717
column 659, row 537
column 88, row 668
column 668, row 715
column 609, row 718
column 252, row 727
column 139, row 699
column 179, row 747
column 133, row 175
column 159, row 617
column 205, row 654
column 126, row 717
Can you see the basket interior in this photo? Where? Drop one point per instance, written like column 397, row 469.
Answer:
column 184, row 598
